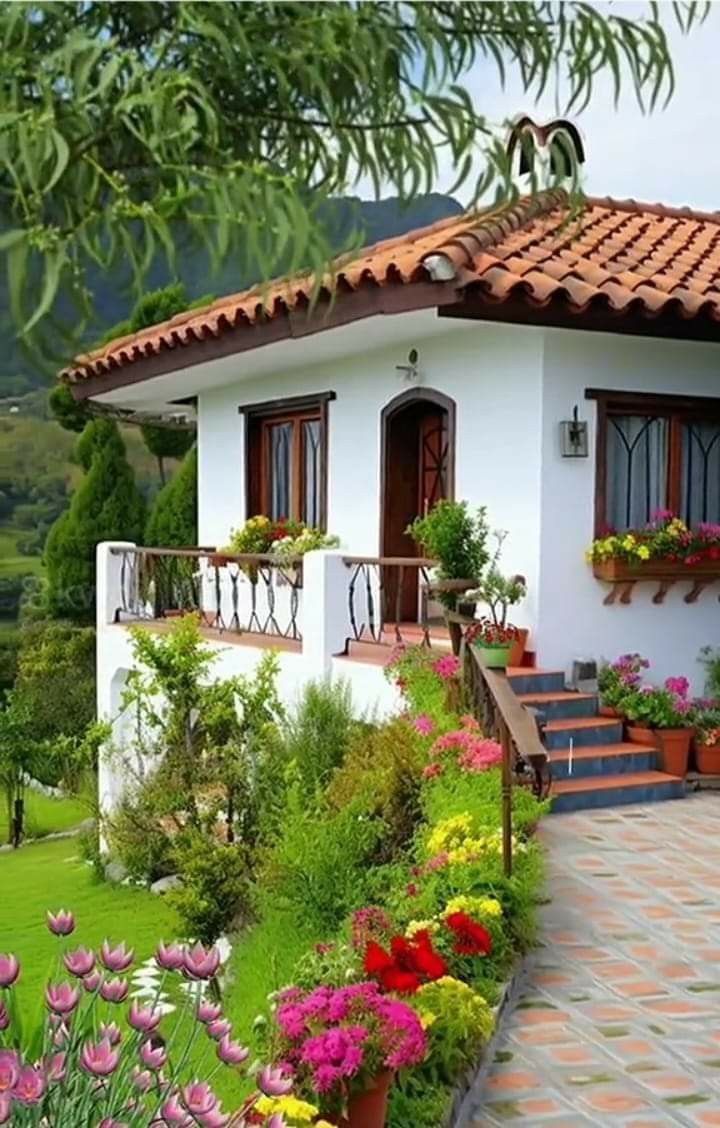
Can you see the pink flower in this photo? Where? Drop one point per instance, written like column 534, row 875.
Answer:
column 424, row 724
column 200, row 962
column 432, row 770
column 30, row 1086
column 80, row 962
column 174, row 1115
column 8, row 1070
column 207, row 1011
column 4, row 1017
column 142, row 1079
column 218, row 1028
column 232, row 1053
column 170, row 957
column 116, row 959
column 679, row 686
column 114, row 991
column 5, row 1108
column 199, row 1099
column 273, row 1082
column 447, row 666
column 154, row 1057
column 111, row 1031
column 62, row 923
column 62, row 998
column 99, row 1058
column 216, row 1118
column 9, row 970
column 55, row 1067
column 92, row 981
column 144, row 1019
column 467, row 721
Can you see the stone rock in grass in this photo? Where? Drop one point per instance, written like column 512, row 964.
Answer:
column 165, row 884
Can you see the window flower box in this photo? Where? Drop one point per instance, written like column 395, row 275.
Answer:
column 624, row 574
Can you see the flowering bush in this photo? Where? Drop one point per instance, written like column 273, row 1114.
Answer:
column 667, row 537
column 85, row 1071
column 473, row 752
column 706, row 719
column 458, row 1022
column 430, row 684
column 410, row 962
column 336, row 1039
column 284, row 539
column 297, row 544
column 487, row 633
column 617, row 678
column 455, row 841
column 660, row 707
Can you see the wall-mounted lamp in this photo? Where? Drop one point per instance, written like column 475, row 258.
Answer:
column 574, row 437
column 410, row 370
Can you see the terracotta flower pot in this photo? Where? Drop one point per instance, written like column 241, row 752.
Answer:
column 707, row 758
column 674, row 748
column 369, row 1109
column 517, row 649
column 640, row 734
column 608, row 711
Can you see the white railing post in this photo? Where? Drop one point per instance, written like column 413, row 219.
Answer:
column 326, row 622
column 108, row 580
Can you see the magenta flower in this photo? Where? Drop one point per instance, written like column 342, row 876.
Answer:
column 200, row 962
column 116, row 959
column 424, row 724
column 80, row 962
column 144, row 1019
column 154, row 1057
column 170, row 957
column 232, row 1053
column 447, row 666
column 114, row 991
column 207, row 1011
column 99, row 1058
column 61, row 923
column 111, row 1031
column 5, row 1108
column 92, row 981
column 273, row 1082
column 30, row 1085
column 679, row 686
column 4, row 1017
column 8, row 1070
column 9, row 970
column 62, row 998
column 219, row 1028
column 199, row 1099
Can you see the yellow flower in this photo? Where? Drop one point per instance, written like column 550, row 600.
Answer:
column 643, row 552
column 449, row 833
column 628, row 541
column 420, row 926
column 291, row 1107
column 482, row 907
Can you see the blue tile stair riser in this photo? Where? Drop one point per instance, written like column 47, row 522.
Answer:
column 642, row 761
column 617, row 797
column 575, row 706
column 583, row 737
column 552, row 682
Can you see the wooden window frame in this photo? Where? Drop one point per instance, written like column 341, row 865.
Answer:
column 258, row 419
column 677, row 409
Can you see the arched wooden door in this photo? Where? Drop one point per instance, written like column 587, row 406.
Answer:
column 418, row 470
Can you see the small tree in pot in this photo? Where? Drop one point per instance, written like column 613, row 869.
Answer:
column 456, row 537
column 499, row 593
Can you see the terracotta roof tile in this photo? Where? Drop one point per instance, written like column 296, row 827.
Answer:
column 637, row 260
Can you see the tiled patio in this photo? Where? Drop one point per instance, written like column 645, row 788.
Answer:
column 617, row 1018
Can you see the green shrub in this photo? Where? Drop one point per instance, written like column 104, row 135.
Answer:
column 456, row 537
column 172, row 522
column 9, row 654
column 480, row 794
column 319, row 732
column 214, row 894
column 139, row 838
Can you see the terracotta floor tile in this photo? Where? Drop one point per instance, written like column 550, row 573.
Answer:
column 615, row 1101
column 513, row 1080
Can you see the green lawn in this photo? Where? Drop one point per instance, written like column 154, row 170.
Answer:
column 11, row 560
column 46, row 816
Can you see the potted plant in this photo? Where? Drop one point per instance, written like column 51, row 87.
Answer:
column 706, row 719
column 283, row 540
column 665, row 711
column 455, row 537
column 494, row 641
column 344, row 1045
column 616, row 679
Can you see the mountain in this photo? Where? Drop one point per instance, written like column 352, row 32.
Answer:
column 376, row 219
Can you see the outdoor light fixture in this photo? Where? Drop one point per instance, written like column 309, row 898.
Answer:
column 410, row 370
column 574, row 437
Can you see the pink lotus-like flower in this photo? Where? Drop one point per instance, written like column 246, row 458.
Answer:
column 4, row 1017
column 92, row 981
column 30, row 1085
column 273, row 1082
column 80, row 962
column 55, row 1067
column 276, row 1121
column 207, row 1011
column 9, row 970
column 199, row 1099
column 142, row 1079
column 170, row 957
column 5, row 1108
column 9, row 1067
column 144, row 1019
column 99, row 1058
column 114, row 991
column 200, row 962
column 62, row 998
column 424, row 724
column 174, row 1115
column 232, row 1053
column 219, row 1028
column 61, row 923
column 116, row 959
column 154, row 1057
column 216, row 1118
column 111, row 1031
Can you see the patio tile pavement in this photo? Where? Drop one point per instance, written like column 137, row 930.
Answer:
column 615, row 1018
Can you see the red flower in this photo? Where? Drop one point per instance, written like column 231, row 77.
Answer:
column 407, row 965
column 471, row 939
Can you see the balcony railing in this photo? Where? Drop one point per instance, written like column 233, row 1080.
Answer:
column 377, row 595
column 246, row 594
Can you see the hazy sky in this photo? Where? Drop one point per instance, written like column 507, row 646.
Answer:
column 671, row 155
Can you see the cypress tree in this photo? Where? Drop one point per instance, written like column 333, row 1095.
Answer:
column 172, row 522
column 107, row 505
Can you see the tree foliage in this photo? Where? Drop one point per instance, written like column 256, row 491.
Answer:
column 172, row 522
column 120, row 122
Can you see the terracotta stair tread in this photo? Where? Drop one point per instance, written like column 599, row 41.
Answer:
column 591, row 751
column 548, row 696
column 530, row 672
column 580, row 723
column 610, row 782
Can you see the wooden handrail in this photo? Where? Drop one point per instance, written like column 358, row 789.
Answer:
column 521, row 724
column 195, row 553
column 391, row 561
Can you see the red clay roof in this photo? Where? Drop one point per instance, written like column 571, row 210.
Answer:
column 632, row 259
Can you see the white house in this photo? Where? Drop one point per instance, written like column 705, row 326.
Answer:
column 443, row 363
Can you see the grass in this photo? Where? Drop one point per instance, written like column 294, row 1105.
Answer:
column 44, row 815
column 12, row 561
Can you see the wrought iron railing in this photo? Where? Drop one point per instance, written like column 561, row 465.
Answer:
column 248, row 593
column 525, row 760
column 377, row 596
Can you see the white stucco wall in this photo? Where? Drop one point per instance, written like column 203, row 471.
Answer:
column 573, row 622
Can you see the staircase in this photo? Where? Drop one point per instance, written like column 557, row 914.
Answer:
column 602, row 770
